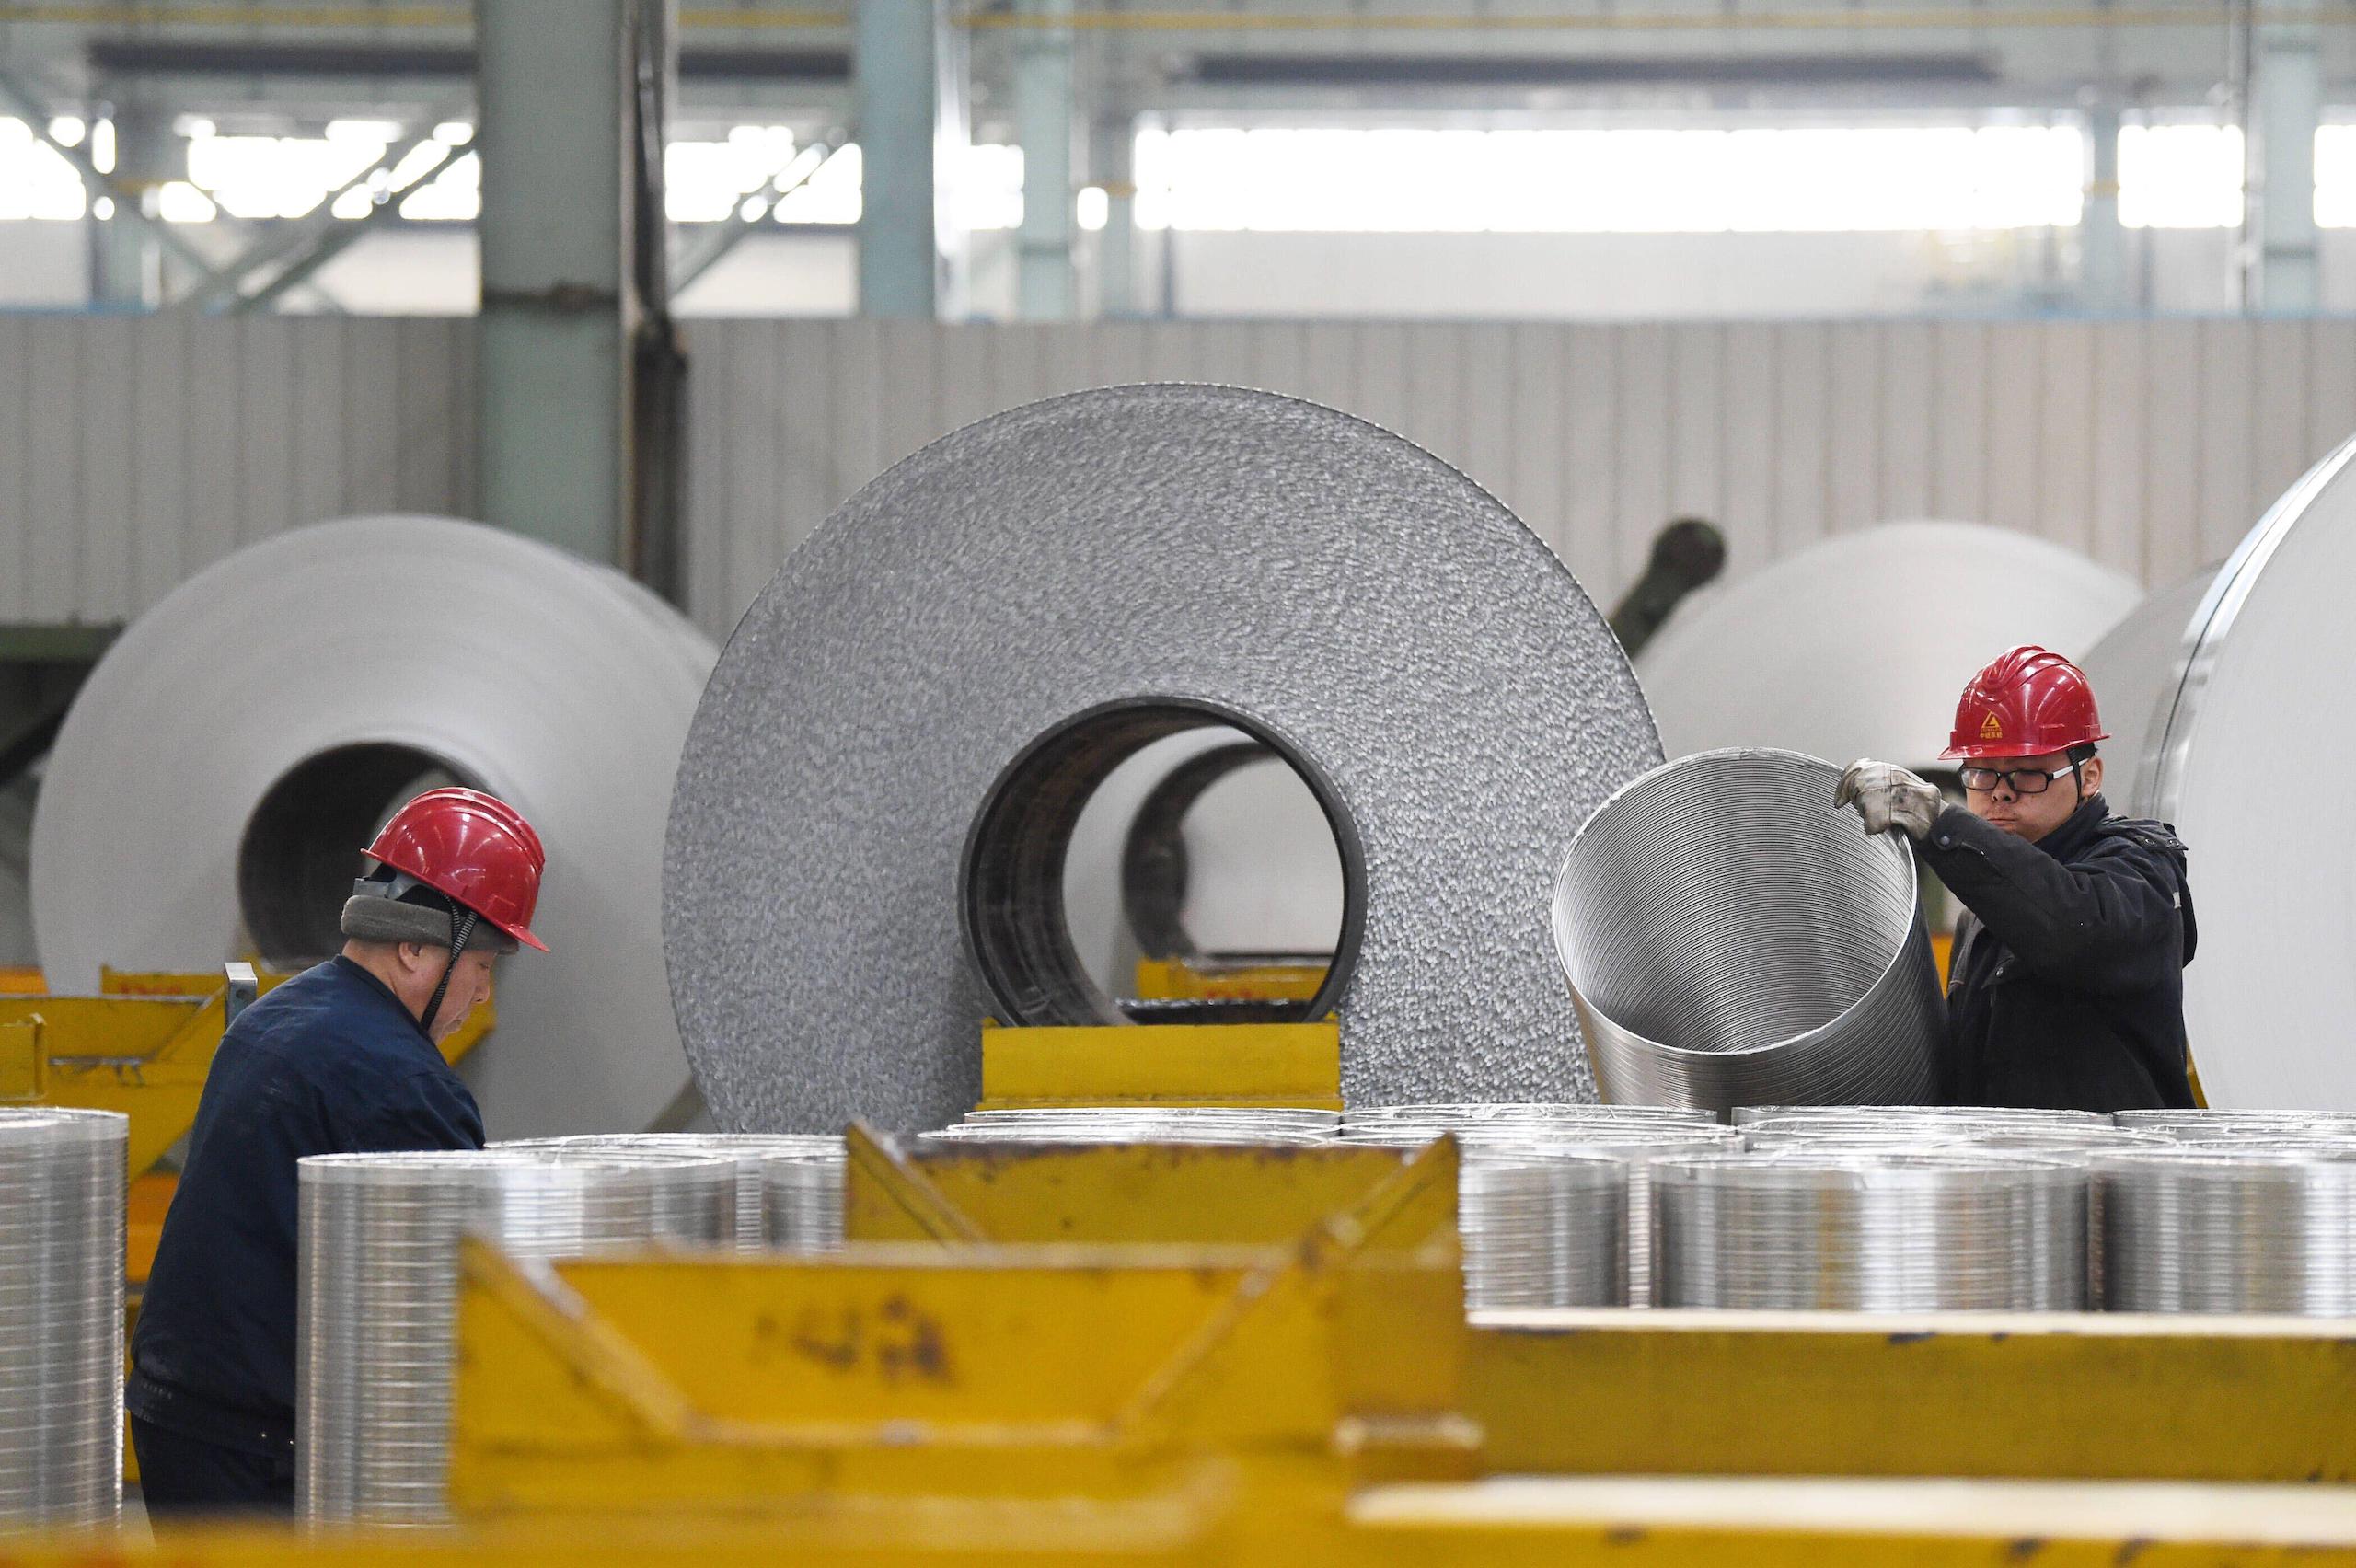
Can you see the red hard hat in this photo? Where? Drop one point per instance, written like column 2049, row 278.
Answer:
column 473, row 848
column 2029, row 702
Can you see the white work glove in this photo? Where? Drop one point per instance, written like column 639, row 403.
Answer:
column 1888, row 797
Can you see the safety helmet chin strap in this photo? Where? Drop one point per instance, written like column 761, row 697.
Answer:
column 460, row 929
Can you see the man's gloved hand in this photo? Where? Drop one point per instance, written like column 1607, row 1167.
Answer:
column 1888, row 797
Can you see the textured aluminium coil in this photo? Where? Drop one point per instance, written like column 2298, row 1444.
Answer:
column 61, row 1317
column 377, row 1294
column 1871, row 1231
column 864, row 858
column 1731, row 937
column 2266, row 704
column 242, row 740
column 2216, row 1227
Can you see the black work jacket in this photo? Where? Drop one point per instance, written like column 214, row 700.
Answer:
column 329, row 1063
column 2067, row 987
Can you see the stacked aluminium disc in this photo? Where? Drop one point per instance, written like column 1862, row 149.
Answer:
column 1732, row 937
column 377, row 1293
column 1636, row 1136
column 2231, row 1227
column 749, row 1157
column 1871, row 1230
column 1542, row 1227
column 801, row 1194
column 61, row 1317
column 1143, row 1124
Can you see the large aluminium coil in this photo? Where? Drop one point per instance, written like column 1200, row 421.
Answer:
column 61, row 1317
column 867, row 846
column 2218, row 1227
column 376, row 1300
column 1860, row 644
column 2266, row 712
column 2135, row 670
column 1542, row 1227
column 1871, row 1231
column 1732, row 937
column 242, row 740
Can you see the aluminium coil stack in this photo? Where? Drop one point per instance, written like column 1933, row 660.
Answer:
column 1871, row 1230
column 1144, row 1123
column 2204, row 1127
column 1542, row 1227
column 1732, row 937
column 377, row 1293
column 62, row 1181
column 2231, row 1227
column 1635, row 1134
column 803, row 1172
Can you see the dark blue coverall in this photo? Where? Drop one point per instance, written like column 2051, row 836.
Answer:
column 330, row 1063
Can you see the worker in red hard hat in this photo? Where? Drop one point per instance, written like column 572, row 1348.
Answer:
column 2066, row 987
column 343, row 1058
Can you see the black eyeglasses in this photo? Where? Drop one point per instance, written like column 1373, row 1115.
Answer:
column 2020, row 781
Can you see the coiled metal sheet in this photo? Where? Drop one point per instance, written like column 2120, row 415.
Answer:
column 1542, row 1227
column 802, row 1170
column 1836, row 1116
column 240, row 742
column 61, row 1317
column 1860, row 644
column 2265, row 707
column 1866, row 1231
column 2222, row 1228
column 704, row 1190
column 2288, row 1125
column 1731, row 937
column 1634, row 1135
column 999, row 619
column 377, row 1293
column 2135, row 670
column 1141, row 1124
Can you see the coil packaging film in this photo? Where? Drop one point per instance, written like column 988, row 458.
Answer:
column 875, row 801
column 377, row 1295
column 241, row 741
column 62, row 1179
column 2231, row 1228
column 1871, row 1231
column 1731, row 937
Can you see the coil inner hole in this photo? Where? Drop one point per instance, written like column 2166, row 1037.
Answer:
column 302, row 846
column 1015, row 904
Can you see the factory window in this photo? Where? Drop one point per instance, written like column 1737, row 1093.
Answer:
column 1613, row 179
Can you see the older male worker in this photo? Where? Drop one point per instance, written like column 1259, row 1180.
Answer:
column 2067, row 985
column 343, row 1058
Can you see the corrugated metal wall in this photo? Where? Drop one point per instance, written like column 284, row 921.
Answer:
column 2152, row 445
column 135, row 451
